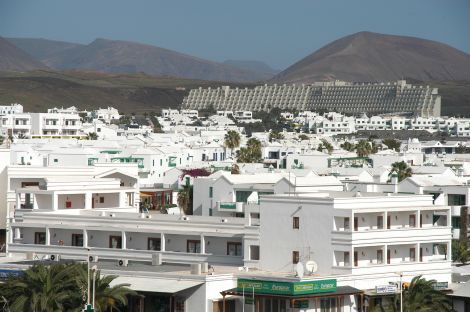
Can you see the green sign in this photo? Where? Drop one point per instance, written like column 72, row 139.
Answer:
column 228, row 205
column 441, row 285
column 301, row 304
column 286, row 288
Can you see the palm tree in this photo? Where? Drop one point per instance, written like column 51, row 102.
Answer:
column 363, row 148
column 422, row 296
column 275, row 136
column 251, row 153
column 92, row 136
column 106, row 296
column 402, row 170
column 232, row 140
column 184, row 199
column 347, row 146
column 43, row 288
column 325, row 145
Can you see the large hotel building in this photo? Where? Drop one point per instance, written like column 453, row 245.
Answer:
column 345, row 97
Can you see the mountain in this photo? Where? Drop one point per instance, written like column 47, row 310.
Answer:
column 116, row 56
column 15, row 59
column 40, row 48
column 367, row 56
column 255, row 66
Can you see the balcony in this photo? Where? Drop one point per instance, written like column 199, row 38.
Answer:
column 72, row 252
column 417, row 267
column 392, row 235
column 230, row 206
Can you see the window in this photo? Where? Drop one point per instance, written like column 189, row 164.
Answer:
column 380, row 256
column 456, row 222
column 242, row 196
column 346, row 258
column 356, row 223
column 193, row 246
column 56, row 160
column 101, row 200
column 77, row 240
column 98, row 129
column 254, row 252
column 234, row 249
column 456, row 200
column 40, row 238
column 380, row 222
column 295, row 223
column 346, row 224
column 412, row 254
column 154, row 244
column 211, row 190
column 412, row 221
column 295, row 257
column 115, row 242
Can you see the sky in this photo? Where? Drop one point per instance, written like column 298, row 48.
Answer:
column 278, row 32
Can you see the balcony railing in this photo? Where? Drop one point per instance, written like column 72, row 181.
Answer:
column 72, row 252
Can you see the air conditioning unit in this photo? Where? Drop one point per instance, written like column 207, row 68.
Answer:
column 54, row 257
column 123, row 262
column 93, row 258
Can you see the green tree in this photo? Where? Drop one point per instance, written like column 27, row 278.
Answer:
column 460, row 252
column 365, row 148
column 275, row 136
column 401, row 169
column 232, row 140
column 251, row 153
column 185, row 199
column 303, row 137
column 348, row 146
column 392, row 144
column 92, row 136
column 421, row 296
column 42, row 288
column 106, row 296
column 325, row 145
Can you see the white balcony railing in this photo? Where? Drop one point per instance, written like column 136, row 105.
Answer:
column 80, row 253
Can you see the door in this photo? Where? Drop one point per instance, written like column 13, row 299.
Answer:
column 40, row 238
column 193, row 246
column 389, row 222
column 115, row 242
column 412, row 222
column 421, row 254
column 356, row 258
column 388, row 256
column 380, row 256
column 421, row 220
column 412, row 254
column 356, row 223
column 380, row 222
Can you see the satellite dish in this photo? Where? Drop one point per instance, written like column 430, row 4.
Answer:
column 311, row 266
column 299, row 269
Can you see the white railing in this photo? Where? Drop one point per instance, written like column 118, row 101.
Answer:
column 81, row 253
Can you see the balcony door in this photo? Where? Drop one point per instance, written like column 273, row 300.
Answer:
column 380, row 256
column 40, row 238
column 356, row 258
column 412, row 254
column 193, row 246
column 356, row 223
column 115, row 242
column 412, row 222
column 389, row 222
column 388, row 256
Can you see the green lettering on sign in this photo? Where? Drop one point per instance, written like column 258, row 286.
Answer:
column 286, row 288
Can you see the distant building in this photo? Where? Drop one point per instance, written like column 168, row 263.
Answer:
column 11, row 109
column 345, row 97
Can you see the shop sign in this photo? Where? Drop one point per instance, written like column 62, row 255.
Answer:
column 301, row 304
column 286, row 288
column 386, row 289
column 441, row 285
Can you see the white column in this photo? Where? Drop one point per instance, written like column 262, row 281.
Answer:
column 88, row 200
column 85, row 238
column 385, row 254
column 418, row 252
column 18, row 200
column 122, row 197
column 203, row 244
column 48, row 236
column 162, row 242
column 17, row 233
column 35, row 203
column 123, row 240
column 55, row 202
column 385, row 219
column 418, row 219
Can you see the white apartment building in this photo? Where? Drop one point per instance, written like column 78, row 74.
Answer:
column 15, row 125
column 366, row 238
column 11, row 109
column 55, row 125
column 105, row 114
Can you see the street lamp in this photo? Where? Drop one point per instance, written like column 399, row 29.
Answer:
column 94, row 268
column 401, row 291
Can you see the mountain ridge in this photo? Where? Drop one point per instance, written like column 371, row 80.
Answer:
column 373, row 57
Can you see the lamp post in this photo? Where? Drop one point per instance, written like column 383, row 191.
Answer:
column 401, row 291
column 94, row 268
column 88, row 277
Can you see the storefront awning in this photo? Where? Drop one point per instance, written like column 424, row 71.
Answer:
column 155, row 285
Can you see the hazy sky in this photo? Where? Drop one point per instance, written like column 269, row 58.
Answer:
column 278, row 32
